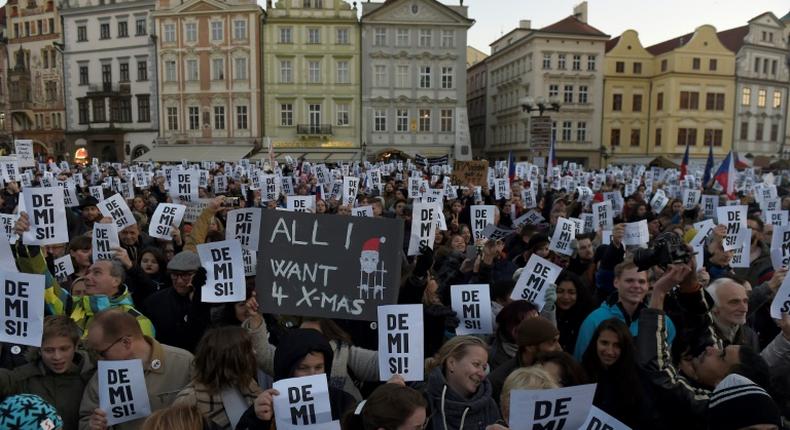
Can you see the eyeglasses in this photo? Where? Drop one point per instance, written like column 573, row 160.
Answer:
column 104, row 351
column 181, row 275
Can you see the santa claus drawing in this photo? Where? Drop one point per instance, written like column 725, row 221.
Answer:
column 371, row 269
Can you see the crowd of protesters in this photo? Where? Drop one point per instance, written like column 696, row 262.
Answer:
column 674, row 346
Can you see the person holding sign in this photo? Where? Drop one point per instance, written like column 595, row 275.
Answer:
column 390, row 406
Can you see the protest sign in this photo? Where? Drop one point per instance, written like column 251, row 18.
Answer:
column 47, row 216
column 472, row 305
column 63, row 267
column 22, row 308
column 691, row 198
column 740, row 255
column 220, row 184
column 243, row 226
column 363, row 211
column 194, row 209
column 250, row 261
column 536, row 277
column 493, row 232
column 703, row 228
column 350, row 188
column 185, row 185
column 659, row 201
column 734, row 217
column 600, row 420
column 559, row 408
column 7, row 222
column 270, row 187
column 709, row 205
column 636, row 233
column 780, row 247
column 164, row 218
column 603, row 215
column 122, row 391
column 96, row 192
column 10, row 169
column 104, row 241
column 781, row 302
column 777, row 217
column 401, row 346
column 328, row 265
column 529, row 198
column 24, row 152
column 300, row 203
column 471, row 173
column 7, row 259
column 303, row 403
column 564, row 234
column 423, row 226
column 482, row 216
column 116, row 208
column 224, row 281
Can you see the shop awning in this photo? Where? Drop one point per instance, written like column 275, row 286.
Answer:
column 194, row 153
column 309, row 156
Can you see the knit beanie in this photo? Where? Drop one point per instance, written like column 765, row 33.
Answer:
column 534, row 331
column 738, row 403
column 28, row 412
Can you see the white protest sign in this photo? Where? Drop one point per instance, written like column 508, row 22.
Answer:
column 781, row 303
column 777, row 217
column 482, row 216
column 97, row 192
column 703, row 228
column 534, row 280
column 116, row 208
column 47, row 216
column 63, row 267
column 659, row 201
column 24, row 152
column 122, row 391
column 472, row 305
column 740, row 255
column 600, row 420
column 300, row 203
column 559, row 408
column 7, row 260
column 734, row 217
column 103, row 241
column 165, row 217
column 194, row 209
column 780, row 247
column 270, row 187
column 709, row 205
column 22, row 308
column 401, row 346
column 224, row 280
column 362, row 211
column 185, row 186
column 636, row 233
column 303, row 403
column 243, row 225
column 423, row 227
column 7, row 222
column 350, row 188
column 603, row 215
column 564, row 234
column 529, row 198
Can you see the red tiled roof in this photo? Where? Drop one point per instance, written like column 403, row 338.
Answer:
column 611, row 43
column 573, row 25
column 732, row 39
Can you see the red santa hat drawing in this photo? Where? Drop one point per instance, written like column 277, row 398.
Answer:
column 369, row 257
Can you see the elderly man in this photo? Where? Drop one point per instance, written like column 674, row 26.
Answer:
column 731, row 305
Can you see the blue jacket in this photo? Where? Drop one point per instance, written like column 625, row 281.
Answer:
column 608, row 310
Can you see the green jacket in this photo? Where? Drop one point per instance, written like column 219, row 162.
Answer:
column 63, row 391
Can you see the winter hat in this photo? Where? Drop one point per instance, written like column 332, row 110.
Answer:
column 28, row 412
column 738, row 403
column 294, row 346
column 184, row 261
column 534, row 331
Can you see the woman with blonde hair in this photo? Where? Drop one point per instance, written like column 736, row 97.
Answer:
column 524, row 378
column 177, row 417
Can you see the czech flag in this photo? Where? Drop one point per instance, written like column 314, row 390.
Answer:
column 708, row 168
column 684, row 164
column 726, row 175
column 511, row 166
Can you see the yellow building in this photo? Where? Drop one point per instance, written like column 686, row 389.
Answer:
column 687, row 97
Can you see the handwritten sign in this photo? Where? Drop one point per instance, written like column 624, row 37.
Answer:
column 24, row 152
column 165, row 217
column 243, row 226
column 22, row 308
column 47, row 216
column 536, row 277
column 560, row 408
column 474, row 172
column 122, row 391
column 472, row 305
column 482, row 216
column 303, row 403
column 636, row 233
column 564, row 234
column 116, row 208
column 400, row 342
column 224, row 275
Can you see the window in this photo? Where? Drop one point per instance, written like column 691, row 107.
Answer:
column 142, row 70
column 172, row 118
column 617, row 102
column 695, row 62
column 590, row 62
column 581, row 131
column 582, row 94
column 566, row 131
column 342, row 73
column 561, row 61
column 341, row 36
column 84, row 79
column 744, row 130
column 286, row 35
column 286, row 115
column 193, row 116
column 124, row 71
column 746, row 96
column 554, row 90
column 106, row 73
column 774, row 132
column 577, row 62
column 286, row 72
column 52, row 25
column 240, row 30
column 773, row 67
column 241, row 117
column 219, row 117
column 191, row 32
column 379, row 120
column 402, row 76
column 712, row 64
column 402, row 37
column 170, row 70
column 342, row 110
column 380, row 37
column 619, row 67
column 170, row 33
column 687, row 136
column 567, row 96
column 714, row 101
column 636, row 105
column 27, row 29
column 448, row 39
column 380, row 75
column 636, row 135
column 547, row 61
column 82, row 33
column 313, row 35
column 82, row 108
column 123, row 29
column 765, row 65
column 637, row 67
column 446, row 120
column 216, row 31
column 689, row 100
column 141, row 29
column 217, row 69
column 425, row 38
column 777, row 99
column 425, row 76
column 658, row 137
column 192, row 69
column 51, row 88
column 761, row 95
column 447, row 77
column 425, row 120
column 143, row 108
column 240, row 68
column 757, row 65
column 314, row 72
column 713, row 136
column 98, row 110
column 104, row 30
column 664, row 65
column 660, row 101
column 402, row 120
column 614, row 137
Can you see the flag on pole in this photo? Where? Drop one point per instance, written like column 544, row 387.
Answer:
column 552, row 158
column 684, row 164
column 708, row 167
column 511, row 166
column 726, row 175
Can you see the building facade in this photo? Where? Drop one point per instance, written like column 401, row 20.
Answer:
column 312, row 79
column 109, row 61
column 6, row 144
column 209, row 57
column 559, row 65
column 476, row 86
column 35, row 75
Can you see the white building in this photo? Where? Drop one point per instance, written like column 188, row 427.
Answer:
column 110, row 77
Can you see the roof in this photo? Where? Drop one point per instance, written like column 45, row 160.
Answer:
column 611, row 43
column 573, row 25
column 438, row 3
column 785, row 18
column 669, row 45
column 732, row 39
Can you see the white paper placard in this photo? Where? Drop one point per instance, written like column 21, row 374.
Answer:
column 740, row 255
column 472, row 305
column 224, row 266
column 781, row 302
column 104, row 241
column 7, row 222
column 559, row 408
column 243, row 225
column 482, row 216
column 709, row 205
column 636, row 233
column 122, row 391
column 300, row 203
column 734, row 217
column 534, row 280
column 24, row 152
column 47, row 216
column 22, row 308
column 184, row 186
column 780, row 247
column 303, row 403
column 564, row 234
column 691, row 198
column 423, row 226
column 777, row 217
column 600, row 420
column 350, row 189
column 603, row 215
column 362, row 211
column 116, row 208
column 401, row 345
column 64, row 267
column 164, row 218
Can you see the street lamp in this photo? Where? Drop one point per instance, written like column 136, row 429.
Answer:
column 540, row 128
column 540, row 104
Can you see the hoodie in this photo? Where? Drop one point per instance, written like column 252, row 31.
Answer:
column 451, row 411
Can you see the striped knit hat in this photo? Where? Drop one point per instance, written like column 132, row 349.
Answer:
column 738, row 403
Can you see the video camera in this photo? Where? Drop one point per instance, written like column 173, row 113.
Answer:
column 667, row 248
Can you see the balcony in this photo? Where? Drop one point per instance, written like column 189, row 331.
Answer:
column 314, row 129
column 109, row 88
column 19, row 105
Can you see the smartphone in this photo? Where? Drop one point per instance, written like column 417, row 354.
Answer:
column 230, row 202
